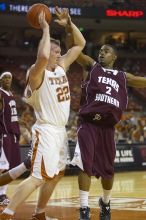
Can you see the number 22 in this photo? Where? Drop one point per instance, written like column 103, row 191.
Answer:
column 63, row 93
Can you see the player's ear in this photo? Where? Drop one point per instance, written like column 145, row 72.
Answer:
column 114, row 57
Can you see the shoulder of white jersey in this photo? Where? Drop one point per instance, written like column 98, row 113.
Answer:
column 59, row 70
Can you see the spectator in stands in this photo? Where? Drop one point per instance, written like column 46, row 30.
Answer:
column 144, row 134
column 25, row 137
column 136, row 136
column 27, row 118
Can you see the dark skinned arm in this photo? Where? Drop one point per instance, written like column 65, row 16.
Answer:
column 135, row 81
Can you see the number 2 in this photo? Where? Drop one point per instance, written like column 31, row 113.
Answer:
column 108, row 90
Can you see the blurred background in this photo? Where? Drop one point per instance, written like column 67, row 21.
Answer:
column 121, row 23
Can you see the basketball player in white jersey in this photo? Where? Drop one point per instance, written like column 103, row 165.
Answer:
column 48, row 92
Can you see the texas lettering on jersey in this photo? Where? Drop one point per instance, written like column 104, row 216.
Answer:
column 58, row 80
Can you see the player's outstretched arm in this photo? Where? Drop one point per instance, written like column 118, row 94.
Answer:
column 37, row 70
column 82, row 59
column 79, row 41
column 135, row 81
column 85, row 61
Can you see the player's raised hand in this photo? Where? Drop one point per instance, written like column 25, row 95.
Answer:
column 42, row 21
column 63, row 17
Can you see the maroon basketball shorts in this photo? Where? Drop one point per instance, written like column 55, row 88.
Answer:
column 11, row 151
column 97, row 148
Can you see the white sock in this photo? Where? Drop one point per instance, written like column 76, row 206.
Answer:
column 8, row 211
column 3, row 189
column 83, row 198
column 106, row 196
column 17, row 171
column 37, row 211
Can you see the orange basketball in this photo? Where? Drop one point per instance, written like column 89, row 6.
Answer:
column 33, row 13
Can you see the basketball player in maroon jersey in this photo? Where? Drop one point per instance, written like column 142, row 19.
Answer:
column 103, row 100
column 9, row 137
column 9, row 131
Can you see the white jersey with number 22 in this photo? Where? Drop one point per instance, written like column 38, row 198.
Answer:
column 51, row 101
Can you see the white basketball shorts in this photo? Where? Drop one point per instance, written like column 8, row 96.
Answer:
column 50, row 147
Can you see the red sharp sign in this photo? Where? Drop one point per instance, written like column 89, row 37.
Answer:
column 125, row 13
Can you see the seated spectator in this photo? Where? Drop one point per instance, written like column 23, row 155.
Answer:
column 25, row 137
column 144, row 134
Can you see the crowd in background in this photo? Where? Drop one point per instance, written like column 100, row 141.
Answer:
column 132, row 127
column 118, row 4
column 122, row 41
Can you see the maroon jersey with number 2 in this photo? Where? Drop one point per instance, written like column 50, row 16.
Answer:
column 103, row 100
column 104, row 93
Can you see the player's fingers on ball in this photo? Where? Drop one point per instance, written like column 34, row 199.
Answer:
column 40, row 15
column 43, row 15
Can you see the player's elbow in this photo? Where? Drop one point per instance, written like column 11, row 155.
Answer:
column 83, row 44
column 81, row 49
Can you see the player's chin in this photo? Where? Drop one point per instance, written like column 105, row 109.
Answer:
column 7, row 86
column 101, row 62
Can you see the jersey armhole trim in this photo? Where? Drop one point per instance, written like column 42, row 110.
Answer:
column 41, row 82
column 63, row 68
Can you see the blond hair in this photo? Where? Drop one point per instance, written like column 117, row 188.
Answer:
column 53, row 40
